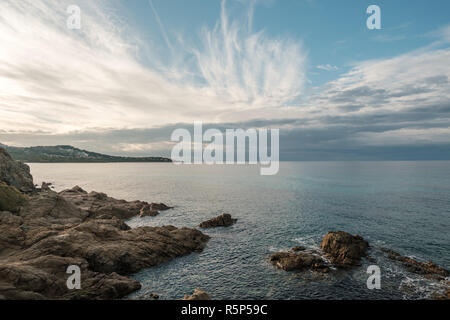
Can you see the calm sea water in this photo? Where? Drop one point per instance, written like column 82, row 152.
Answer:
column 400, row 205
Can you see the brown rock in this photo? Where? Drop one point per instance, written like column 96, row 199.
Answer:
column 298, row 248
column 15, row 173
column 344, row 249
column 160, row 206
column 53, row 231
column 147, row 211
column 223, row 220
column 445, row 295
column 429, row 269
column 11, row 199
column 198, row 295
column 290, row 261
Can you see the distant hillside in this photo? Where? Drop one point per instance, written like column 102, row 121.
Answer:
column 70, row 154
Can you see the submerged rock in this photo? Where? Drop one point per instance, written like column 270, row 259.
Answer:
column 344, row 249
column 445, row 295
column 428, row 269
column 15, row 173
column 300, row 261
column 224, row 220
column 198, row 295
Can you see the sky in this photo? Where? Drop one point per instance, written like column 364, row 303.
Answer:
column 137, row 70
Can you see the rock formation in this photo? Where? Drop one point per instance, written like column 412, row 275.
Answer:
column 41, row 237
column 428, row 269
column 99, row 205
column 198, row 295
column 341, row 248
column 15, row 173
column 224, row 220
column 300, row 261
column 344, row 249
column 10, row 198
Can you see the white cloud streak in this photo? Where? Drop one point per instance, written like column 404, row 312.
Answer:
column 58, row 80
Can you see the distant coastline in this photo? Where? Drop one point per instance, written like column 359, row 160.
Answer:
column 69, row 154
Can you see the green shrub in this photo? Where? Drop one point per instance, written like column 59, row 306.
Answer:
column 10, row 198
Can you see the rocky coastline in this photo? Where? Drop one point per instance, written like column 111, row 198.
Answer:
column 43, row 232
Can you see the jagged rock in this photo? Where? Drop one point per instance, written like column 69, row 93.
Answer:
column 223, row 220
column 160, row 206
column 344, row 249
column 52, row 231
column 429, row 269
column 147, row 211
column 101, row 206
column 15, row 173
column 10, row 198
column 45, row 186
column 45, row 277
column 298, row 248
column 198, row 295
column 300, row 261
column 153, row 296
column 445, row 295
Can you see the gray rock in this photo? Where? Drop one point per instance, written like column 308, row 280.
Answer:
column 15, row 173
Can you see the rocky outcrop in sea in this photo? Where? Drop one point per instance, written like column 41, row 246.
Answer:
column 224, row 220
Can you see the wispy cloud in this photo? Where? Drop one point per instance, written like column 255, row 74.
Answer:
column 59, row 80
column 327, row 67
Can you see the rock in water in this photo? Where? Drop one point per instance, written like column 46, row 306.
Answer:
column 147, row 211
column 290, row 261
column 198, row 295
column 428, row 269
column 15, row 173
column 159, row 206
column 224, row 220
column 344, row 249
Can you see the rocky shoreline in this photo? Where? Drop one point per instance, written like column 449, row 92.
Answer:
column 44, row 232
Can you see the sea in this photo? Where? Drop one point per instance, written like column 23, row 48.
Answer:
column 404, row 206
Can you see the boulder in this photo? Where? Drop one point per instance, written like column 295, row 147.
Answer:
column 198, row 295
column 224, row 220
column 344, row 249
column 15, row 173
column 298, row 261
